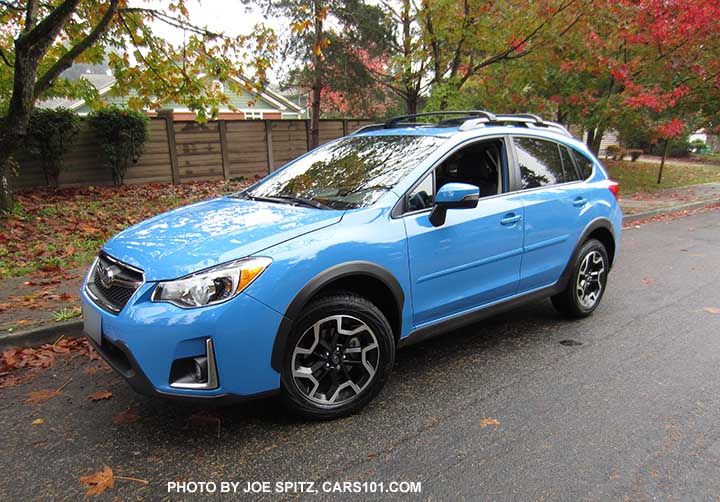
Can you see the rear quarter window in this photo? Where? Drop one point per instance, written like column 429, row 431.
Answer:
column 584, row 164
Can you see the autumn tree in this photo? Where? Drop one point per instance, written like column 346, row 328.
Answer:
column 41, row 40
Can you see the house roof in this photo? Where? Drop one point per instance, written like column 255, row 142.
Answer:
column 103, row 83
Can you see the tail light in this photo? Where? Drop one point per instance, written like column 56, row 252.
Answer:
column 614, row 187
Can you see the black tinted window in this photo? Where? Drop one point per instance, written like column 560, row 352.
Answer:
column 569, row 171
column 584, row 164
column 353, row 172
column 539, row 162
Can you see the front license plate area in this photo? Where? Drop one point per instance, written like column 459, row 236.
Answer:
column 92, row 324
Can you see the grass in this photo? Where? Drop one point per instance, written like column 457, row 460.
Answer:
column 640, row 176
column 52, row 231
column 66, row 314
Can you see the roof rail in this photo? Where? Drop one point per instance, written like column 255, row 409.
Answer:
column 526, row 119
column 398, row 121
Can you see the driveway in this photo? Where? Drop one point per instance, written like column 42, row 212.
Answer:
column 623, row 405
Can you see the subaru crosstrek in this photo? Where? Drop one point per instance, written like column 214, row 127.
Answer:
column 309, row 280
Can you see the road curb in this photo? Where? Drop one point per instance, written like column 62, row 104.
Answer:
column 631, row 218
column 34, row 337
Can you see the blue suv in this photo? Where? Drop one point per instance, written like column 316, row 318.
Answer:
column 309, row 280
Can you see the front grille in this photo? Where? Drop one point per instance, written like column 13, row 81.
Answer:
column 112, row 283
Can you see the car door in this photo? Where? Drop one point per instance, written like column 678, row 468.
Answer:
column 474, row 257
column 554, row 200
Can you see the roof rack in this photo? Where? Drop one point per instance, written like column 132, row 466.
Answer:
column 466, row 115
column 470, row 119
column 524, row 119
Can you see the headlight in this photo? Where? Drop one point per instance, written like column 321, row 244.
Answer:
column 211, row 286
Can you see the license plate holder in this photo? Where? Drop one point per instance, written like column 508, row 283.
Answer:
column 92, row 324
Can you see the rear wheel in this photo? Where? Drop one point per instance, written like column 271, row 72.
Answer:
column 587, row 283
column 339, row 356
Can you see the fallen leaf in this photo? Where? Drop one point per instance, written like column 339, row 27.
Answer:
column 40, row 396
column 489, row 421
column 98, row 396
column 127, row 416
column 90, row 370
column 38, row 421
column 648, row 280
column 712, row 310
column 100, row 481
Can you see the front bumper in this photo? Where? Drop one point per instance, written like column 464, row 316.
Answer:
column 143, row 340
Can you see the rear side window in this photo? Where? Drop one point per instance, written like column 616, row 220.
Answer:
column 569, row 171
column 584, row 164
column 539, row 162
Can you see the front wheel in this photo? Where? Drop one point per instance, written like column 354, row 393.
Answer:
column 587, row 283
column 339, row 355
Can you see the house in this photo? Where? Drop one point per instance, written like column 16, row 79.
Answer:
column 265, row 104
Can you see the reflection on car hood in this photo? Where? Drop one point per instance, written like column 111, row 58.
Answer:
column 208, row 233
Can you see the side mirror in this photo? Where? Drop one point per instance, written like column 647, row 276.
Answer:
column 453, row 196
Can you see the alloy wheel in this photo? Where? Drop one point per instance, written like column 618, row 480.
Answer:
column 589, row 284
column 335, row 359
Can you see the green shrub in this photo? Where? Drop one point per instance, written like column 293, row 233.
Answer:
column 616, row 152
column 50, row 135
column 678, row 148
column 634, row 153
column 122, row 135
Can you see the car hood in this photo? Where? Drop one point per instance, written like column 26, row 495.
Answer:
column 195, row 237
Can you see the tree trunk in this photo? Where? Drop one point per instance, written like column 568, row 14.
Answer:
column 594, row 138
column 411, row 102
column 317, row 77
column 15, row 123
column 662, row 161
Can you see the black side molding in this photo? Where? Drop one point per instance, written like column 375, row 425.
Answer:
column 441, row 327
column 320, row 281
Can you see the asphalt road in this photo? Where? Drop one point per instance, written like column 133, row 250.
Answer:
column 624, row 405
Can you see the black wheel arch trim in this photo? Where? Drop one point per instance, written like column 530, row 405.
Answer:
column 596, row 224
column 322, row 280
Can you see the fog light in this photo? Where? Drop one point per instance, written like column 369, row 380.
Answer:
column 200, row 364
column 195, row 372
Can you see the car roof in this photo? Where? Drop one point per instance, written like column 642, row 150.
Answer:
column 456, row 133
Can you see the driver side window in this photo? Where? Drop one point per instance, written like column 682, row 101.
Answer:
column 481, row 164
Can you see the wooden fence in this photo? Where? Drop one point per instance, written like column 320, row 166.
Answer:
column 183, row 151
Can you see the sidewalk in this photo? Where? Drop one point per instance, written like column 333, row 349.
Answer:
column 40, row 308
column 669, row 199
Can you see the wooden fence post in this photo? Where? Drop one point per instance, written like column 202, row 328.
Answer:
column 269, row 143
column 172, row 147
column 222, row 128
column 307, row 135
column 345, row 127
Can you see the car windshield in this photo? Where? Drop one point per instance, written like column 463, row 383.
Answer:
column 350, row 173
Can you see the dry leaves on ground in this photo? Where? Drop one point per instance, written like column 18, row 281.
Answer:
column 38, row 421
column 489, row 421
column 712, row 310
column 40, row 396
column 99, row 396
column 100, row 481
column 44, row 356
column 127, row 416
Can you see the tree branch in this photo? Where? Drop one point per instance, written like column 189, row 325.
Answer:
column 30, row 15
column 174, row 21
column 5, row 59
column 44, row 33
column 67, row 59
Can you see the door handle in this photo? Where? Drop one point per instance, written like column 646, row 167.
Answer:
column 579, row 201
column 510, row 219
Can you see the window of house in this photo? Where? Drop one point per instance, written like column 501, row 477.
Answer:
column 539, row 162
column 253, row 115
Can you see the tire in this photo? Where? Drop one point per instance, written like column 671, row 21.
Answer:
column 314, row 377
column 582, row 296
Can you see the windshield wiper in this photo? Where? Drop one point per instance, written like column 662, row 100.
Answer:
column 303, row 201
